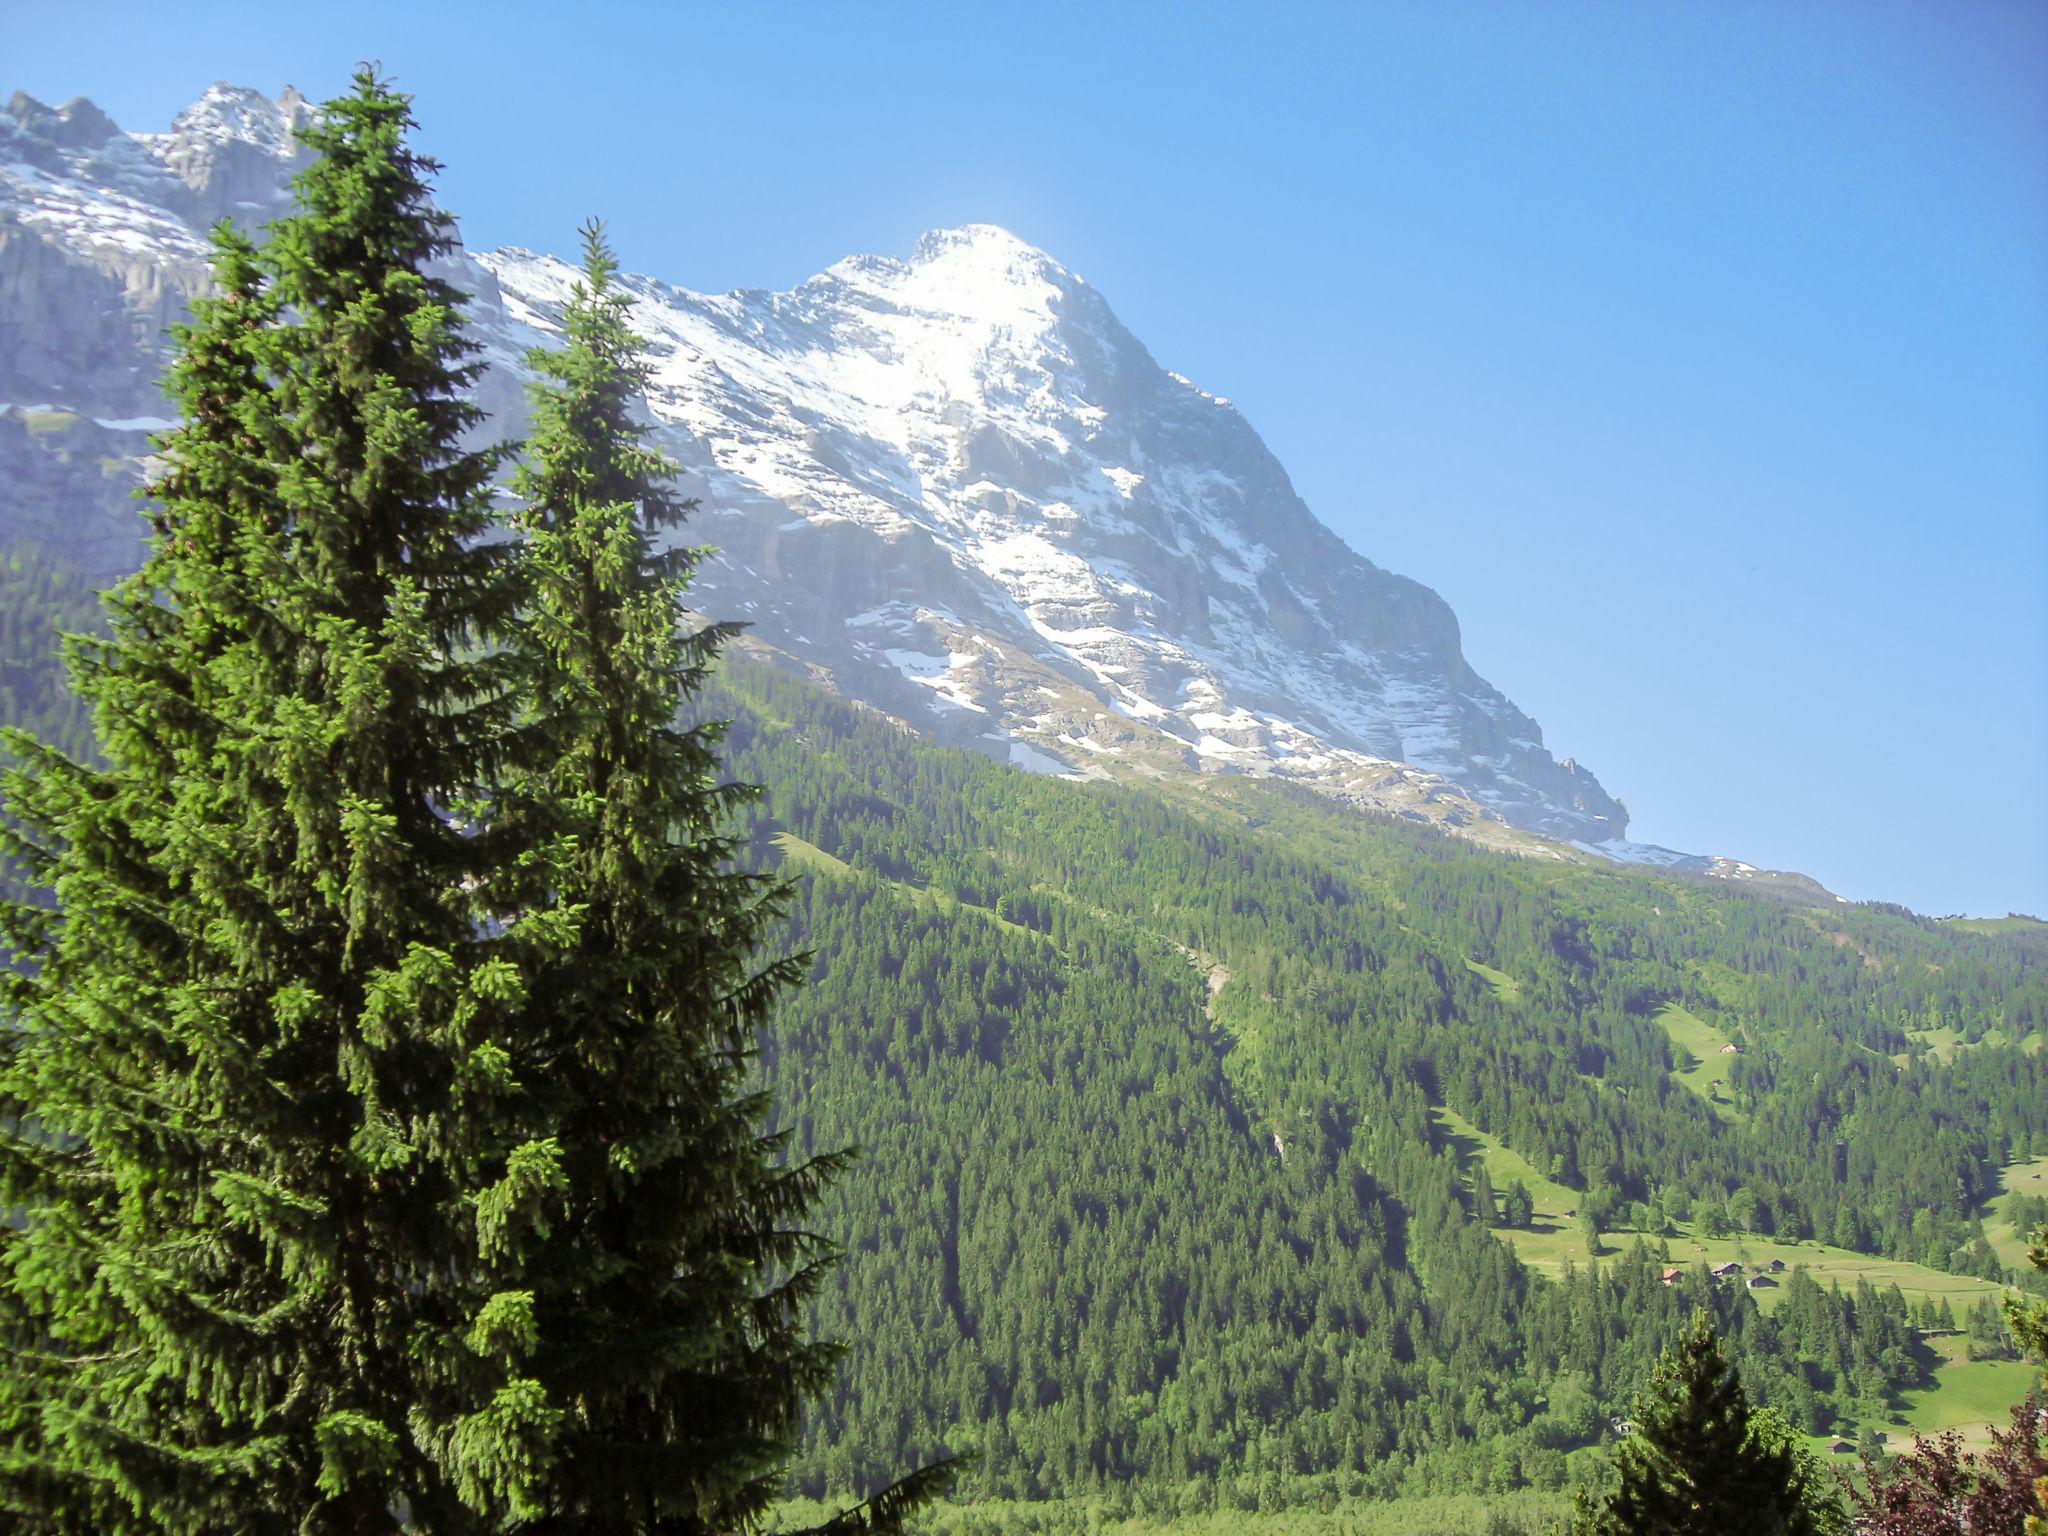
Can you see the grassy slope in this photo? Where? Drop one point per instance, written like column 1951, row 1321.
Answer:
column 1505, row 987
column 1695, row 1037
column 1826, row 1264
column 1945, row 1041
column 2012, row 924
column 1555, row 1240
column 1969, row 1396
column 798, row 855
column 1552, row 1234
column 2006, row 1239
column 1447, row 1515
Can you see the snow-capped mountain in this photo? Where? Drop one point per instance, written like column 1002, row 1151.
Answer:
column 953, row 484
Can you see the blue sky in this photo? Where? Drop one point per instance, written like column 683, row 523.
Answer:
column 1697, row 353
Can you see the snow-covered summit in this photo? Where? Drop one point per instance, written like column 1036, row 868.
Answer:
column 953, row 482
column 957, row 483
column 977, row 269
column 237, row 114
column 982, row 272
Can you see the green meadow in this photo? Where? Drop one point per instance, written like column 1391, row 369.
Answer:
column 1968, row 1396
column 1707, row 1047
column 1505, row 987
column 2008, row 1238
column 1523, row 1513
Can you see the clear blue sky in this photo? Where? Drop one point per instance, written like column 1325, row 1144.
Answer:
column 1697, row 353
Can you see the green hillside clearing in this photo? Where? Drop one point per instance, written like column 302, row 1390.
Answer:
column 800, row 856
column 1946, row 1041
column 2007, row 1238
column 1712, row 1062
column 1825, row 1263
column 1970, row 1396
column 2012, row 924
column 1505, row 987
column 1554, row 1240
column 1555, row 1204
column 1441, row 1515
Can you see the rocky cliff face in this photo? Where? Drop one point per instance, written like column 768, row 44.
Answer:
column 102, row 246
column 954, row 484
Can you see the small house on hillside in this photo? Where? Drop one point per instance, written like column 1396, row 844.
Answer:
column 1762, row 1283
column 1840, row 1447
column 1776, row 1266
column 1671, row 1275
column 1729, row 1049
column 1726, row 1271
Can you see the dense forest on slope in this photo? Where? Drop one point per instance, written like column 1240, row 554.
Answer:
column 1159, row 1191
column 41, row 599
column 1154, row 1192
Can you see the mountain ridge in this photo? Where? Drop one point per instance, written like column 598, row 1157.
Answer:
column 955, row 484
column 1095, row 543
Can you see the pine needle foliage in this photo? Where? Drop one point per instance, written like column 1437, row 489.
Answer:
column 236, row 1070
column 643, row 1272
column 1701, row 1462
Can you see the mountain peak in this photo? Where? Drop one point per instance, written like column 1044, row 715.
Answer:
column 241, row 114
column 981, row 244
column 78, row 124
column 977, row 273
column 953, row 483
column 977, row 261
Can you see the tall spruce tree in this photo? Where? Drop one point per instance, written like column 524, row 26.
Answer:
column 1701, row 1462
column 94, row 1434
column 643, row 1273
column 245, row 1042
column 1483, row 1204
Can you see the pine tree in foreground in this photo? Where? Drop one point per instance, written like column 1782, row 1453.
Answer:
column 2028, row 1319
column 82, row 1411
column 643, row 1274
column 246, row 1040
column 1702, row 1462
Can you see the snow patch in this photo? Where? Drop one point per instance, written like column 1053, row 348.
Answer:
column 1031, row 760
column 938, row 674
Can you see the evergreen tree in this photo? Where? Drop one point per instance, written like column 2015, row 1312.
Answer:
column 2027, row 1317
column 639, row 1360
column 94, row 1432
column 1701, row 1463
column 244, row 1036
column 1518, row 1206
column 1483, row 1204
